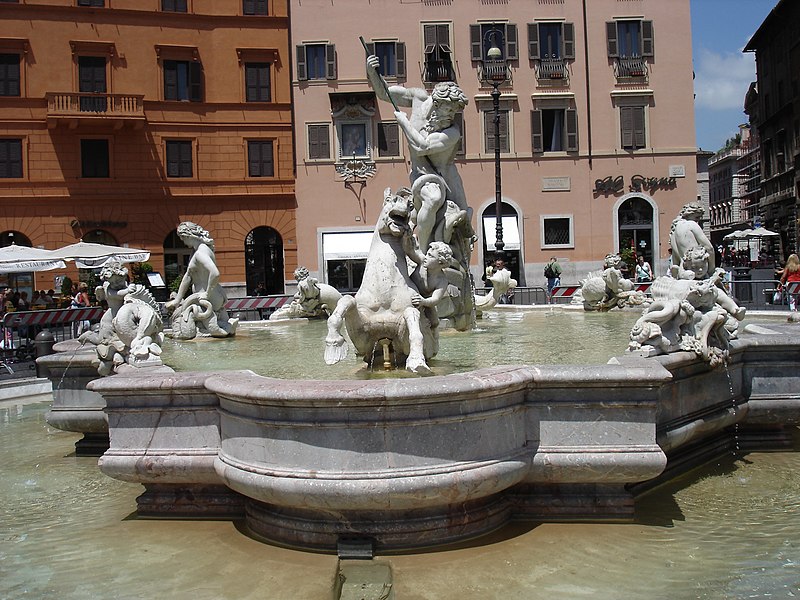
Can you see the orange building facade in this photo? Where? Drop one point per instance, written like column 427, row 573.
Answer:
column 121, row 118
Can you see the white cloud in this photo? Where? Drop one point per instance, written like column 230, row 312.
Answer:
column 721, row 80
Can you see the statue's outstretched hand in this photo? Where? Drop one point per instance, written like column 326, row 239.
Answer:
column 373, row 62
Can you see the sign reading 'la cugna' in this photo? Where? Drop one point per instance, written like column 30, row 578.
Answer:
column 638, row 183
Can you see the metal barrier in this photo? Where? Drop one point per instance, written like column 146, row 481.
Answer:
column 18, row 329
column 522, row 295
column 259, row 306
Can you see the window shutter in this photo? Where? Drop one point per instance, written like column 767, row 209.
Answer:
column 253, row 159
column 12, row 77
column 302, row 73
column 648, row 49
column 268, row 159
column 371, row 48
column 443, row 34
column 388, row 139
column 313, row 132
column 505, row 146
column 172, row 160
column 458, row 120
column 330, row 61
column 400, row 54
column 569, row 41
column 533, row 41
column 572, row 129
column 265, row 90
column 324, row 140
column 170, row 80
column 512, row 52
column 488, row 128
column 195, row 82
column 537, row 138
column 611, row 36
column 475, row 42
column 249, row 7
column 251, row 83
column 626, row 126
column 185, row 149
column 429, row 37
column 638, row 127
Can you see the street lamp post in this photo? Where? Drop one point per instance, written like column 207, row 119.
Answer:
column 495, row 72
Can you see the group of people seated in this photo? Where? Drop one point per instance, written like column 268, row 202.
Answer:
column 16, row 301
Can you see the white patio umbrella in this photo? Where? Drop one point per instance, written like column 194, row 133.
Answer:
column 23, row 259
column 88, row 255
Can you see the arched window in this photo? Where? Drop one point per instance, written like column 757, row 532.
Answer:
column 511, row 238
column 263, row 251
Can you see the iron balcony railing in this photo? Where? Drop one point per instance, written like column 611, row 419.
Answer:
column 552, row 68
column 84, row 104
column 494, row 71
column 628, row 68
column 438, row 70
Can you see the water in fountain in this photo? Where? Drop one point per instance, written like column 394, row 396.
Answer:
column 727, row 530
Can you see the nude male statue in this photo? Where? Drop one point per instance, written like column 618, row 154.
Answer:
column 686, row 233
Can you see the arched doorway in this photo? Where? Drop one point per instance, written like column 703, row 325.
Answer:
column 635, row 228
column 511, row 237
column 263, row 252
column 176, row 259
column 19, row 282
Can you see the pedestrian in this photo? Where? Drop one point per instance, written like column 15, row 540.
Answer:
column 791, row 273
column 644, row 272
column 81, row 300
column 552, row 271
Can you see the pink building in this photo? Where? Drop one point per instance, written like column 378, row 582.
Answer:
column 596, row 123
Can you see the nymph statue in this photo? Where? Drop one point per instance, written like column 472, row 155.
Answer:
column 610, row 288
column 313, row 299
column 199, row 304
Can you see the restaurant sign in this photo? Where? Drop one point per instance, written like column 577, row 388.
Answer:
column 638, row 183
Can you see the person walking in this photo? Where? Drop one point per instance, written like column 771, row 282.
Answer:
column 552, row 272
column 791, row 273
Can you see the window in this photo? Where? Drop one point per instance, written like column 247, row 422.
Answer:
column 92, row 80
column 632, row 127
column 488, row 127
column 319, row 142
column 388, row 139
column 392, row 57
column 178, row 6
column 183, row 80
column 554, row 130
column 458, row 121
column 260, row 162
column 353, row 139
column 179, row 158
column 438, row 55
column 630, row 39
column 257, row 82
column 550, row 44
column 316, row 61
column 94, row 158
column 485, row 35
column 9, row 75
column 10, row 158
column 254, row 7
column 96, row 3
column 557, row 231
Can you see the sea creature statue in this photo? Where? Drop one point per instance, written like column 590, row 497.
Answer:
column 609, row 288
column 131, row 330
column 202, row 310
column 501, row 283
column 312, row 299
column 689, row 313
column 385, row 315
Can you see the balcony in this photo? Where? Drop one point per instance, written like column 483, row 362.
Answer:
column 75, row 108
column 494, row 70
column 552, row 69
column 630, row 68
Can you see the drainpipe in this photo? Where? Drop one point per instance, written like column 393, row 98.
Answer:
column 588, row 90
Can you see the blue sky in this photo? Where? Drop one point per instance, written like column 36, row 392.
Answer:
column 720, row 29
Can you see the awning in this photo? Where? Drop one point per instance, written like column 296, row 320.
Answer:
column 510, row 232
column 344, row 246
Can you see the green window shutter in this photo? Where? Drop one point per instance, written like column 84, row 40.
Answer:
column 475, row 42
column 302, row 73
column 611, row 37
column 569, row 41
column 572, row 129
column 533, row 41
column 537, row 138
column 400, row 53
column 512, row 52
column 330, row 61
column 648, row 48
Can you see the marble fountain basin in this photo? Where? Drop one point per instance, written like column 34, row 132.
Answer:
column 406, row 463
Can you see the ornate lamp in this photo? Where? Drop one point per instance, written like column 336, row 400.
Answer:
column 495, row 71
